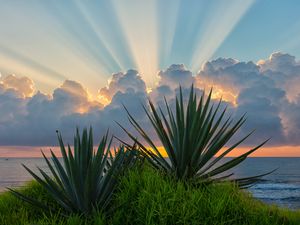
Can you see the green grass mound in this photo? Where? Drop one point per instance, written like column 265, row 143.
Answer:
column 147, row 197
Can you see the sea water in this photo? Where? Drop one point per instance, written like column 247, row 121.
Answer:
column 282, row 187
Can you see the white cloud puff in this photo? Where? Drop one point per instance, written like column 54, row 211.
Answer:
column 175, row 75
column 284, row 70
column 121, row 82
column 24, row 86
column 170, row 79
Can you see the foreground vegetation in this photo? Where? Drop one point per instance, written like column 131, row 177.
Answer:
column 192, row 138
column 86, row 180
column 145, row 196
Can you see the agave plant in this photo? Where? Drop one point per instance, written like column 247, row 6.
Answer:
column 193, row 138
column 87, row 179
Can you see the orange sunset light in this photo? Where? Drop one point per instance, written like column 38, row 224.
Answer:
column 35, row 152
column 278, row 151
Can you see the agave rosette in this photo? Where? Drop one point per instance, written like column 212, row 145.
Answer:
column 86, row 179
column 193, row 138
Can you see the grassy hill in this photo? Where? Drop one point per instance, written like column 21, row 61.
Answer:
column 144, row 196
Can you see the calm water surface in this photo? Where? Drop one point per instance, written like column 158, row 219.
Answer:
column 281, row 188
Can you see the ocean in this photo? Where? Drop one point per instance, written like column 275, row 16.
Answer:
column 282, row 187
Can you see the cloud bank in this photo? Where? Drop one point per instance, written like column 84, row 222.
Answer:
column 267, row 91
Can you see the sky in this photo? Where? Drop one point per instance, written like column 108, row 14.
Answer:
column 74, row 63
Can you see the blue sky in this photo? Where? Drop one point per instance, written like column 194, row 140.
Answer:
column 268, row 26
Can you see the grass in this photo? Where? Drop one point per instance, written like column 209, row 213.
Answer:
column 145, row 196
column 149, row 198
column 14, row 211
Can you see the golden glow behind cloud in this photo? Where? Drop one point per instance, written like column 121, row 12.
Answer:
column 226, row 93
column 23, row 85
column 103, row 99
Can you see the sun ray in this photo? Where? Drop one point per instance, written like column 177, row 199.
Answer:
column 166, row 26
column 224, row 17
column 103, row 34
column 31, row 62
column 139, row 22
column 77, row 33
column 44, row 82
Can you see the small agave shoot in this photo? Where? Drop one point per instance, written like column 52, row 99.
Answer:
column 193, row 138
column 87, row 179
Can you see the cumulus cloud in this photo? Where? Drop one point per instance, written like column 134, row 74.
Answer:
column 291, row 119
column 228, row 77
column 122, row 82
column 263, row 113
column 33, row 121
column 174, row 75
column 23, row 86
column 170, row 79
column 266, row 90
column 73, row 97
column 12, row 106
column 284, row 70
column 279, row 62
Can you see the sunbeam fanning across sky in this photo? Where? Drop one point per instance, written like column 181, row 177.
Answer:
column 110, row 36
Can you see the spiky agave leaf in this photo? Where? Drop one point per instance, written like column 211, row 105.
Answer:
column 192, row 139
column 86, row 179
